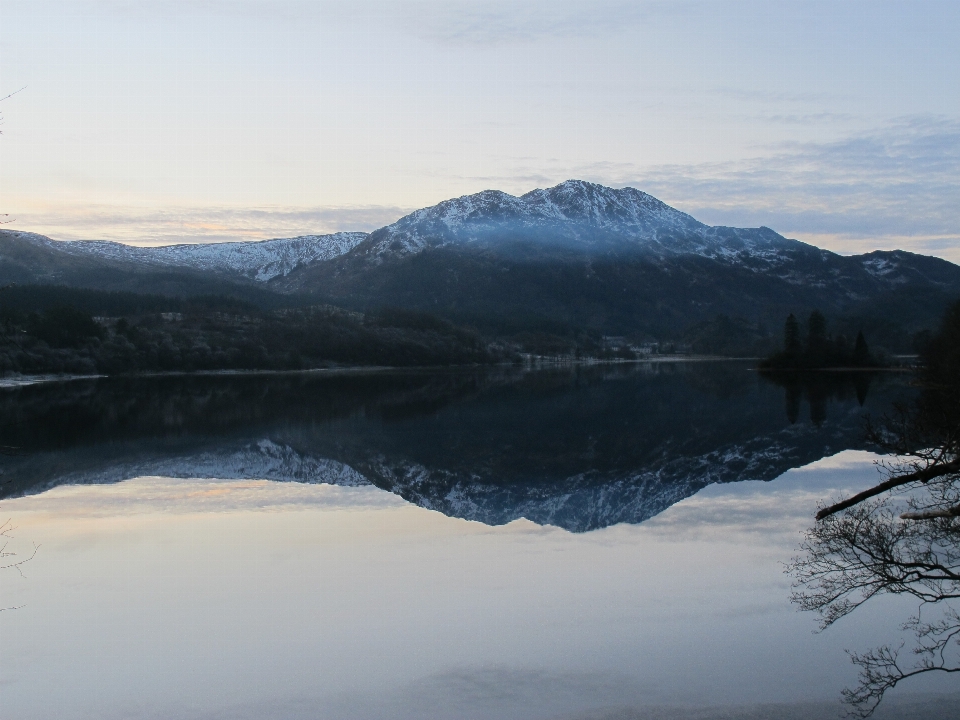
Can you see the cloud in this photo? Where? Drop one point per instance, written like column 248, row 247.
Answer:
column 895, row 186
column 145, row 226
column 898, row 185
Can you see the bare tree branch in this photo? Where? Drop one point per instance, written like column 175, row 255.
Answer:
column 931, row 514
column 921, row 476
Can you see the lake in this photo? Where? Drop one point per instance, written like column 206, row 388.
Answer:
column 580, row 542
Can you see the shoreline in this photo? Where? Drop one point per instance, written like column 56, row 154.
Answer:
column 533, row 362
column 796, row 371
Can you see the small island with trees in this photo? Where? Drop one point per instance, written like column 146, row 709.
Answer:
column 819, row 350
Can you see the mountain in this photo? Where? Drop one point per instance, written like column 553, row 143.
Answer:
column 261, row 260
column 573, row 216
column 173, row 269
column 581, row 448
column 581, row 256
column 574, row 258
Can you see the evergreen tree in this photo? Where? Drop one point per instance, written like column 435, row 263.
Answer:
column 861, row 353
column 816, row 333
column 791, row 336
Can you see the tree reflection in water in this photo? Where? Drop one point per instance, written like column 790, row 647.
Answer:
column 900, row 537
column 819, row 388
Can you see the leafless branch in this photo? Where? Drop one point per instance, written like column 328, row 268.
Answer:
column 5, row 97
column 920, row 476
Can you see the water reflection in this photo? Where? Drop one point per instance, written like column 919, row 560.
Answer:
column 819, row 389
column 580, row 448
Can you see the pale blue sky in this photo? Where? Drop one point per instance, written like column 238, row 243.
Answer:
column 834, row 122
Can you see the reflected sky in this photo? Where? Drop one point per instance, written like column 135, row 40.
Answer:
column 185, row 598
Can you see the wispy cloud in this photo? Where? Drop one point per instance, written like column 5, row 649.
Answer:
column 895, row 186
column 138, row 226
column 898, row 185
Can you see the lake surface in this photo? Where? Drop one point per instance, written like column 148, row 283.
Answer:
column 601, row 542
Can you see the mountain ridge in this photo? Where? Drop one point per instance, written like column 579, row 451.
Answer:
column 556, row 216
column 575, row 257
column 576, row 215
column 260, row 260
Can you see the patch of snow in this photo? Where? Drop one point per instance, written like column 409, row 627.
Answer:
column 884, row 268
column 262, row 260
column 576, row 212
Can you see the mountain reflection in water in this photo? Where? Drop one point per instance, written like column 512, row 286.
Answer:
column 581, row 448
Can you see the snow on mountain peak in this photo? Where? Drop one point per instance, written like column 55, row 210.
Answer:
column 602, row 206
column 574, row 211
column 575, row 215
column 258, row 260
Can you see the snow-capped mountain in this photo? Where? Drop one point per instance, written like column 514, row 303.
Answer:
column 618, row 261
column 577, row 255
column 573, row 214
column 256, row 260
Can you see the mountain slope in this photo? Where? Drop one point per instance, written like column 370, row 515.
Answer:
column 619, row 262
column 261, row 261
column 574, row 215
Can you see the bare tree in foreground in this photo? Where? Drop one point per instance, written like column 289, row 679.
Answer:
column 9, row 560
column 5, row 217
column 900, row 537
column 6, row 563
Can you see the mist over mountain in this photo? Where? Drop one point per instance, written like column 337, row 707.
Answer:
column 578, row 257
column 574, row 215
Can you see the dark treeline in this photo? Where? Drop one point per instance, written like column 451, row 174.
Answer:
column 818, row 349
column 116, row 333
column 56, row 329
column 40, row 298
column 729, row 337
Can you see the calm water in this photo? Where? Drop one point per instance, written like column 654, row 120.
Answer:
column 593, row 543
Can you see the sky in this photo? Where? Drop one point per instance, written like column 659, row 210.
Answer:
column 204, row 120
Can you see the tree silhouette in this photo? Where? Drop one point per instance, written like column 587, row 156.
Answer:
column 816, row 334
column 819, row 350
column 5, row 216
column 861, row 352
column 791, row 336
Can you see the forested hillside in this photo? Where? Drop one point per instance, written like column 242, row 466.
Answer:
column 54, row 330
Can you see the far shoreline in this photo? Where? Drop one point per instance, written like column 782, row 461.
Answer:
column 529, row 363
